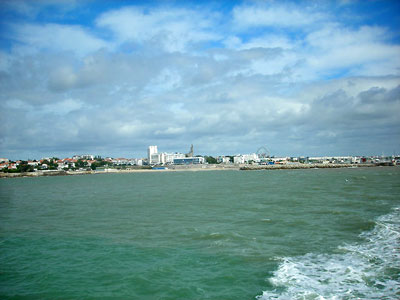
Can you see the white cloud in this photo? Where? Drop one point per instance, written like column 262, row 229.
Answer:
column 62, row 78
column 267, row 14
column 357, row 51
column 334, row 35
column 269, row 41
column 253, row 86
column 167, row 80
column 18, row 104
column 352, row 86
column 55, row 37
column 128, row 129
column 63, row 107
column 170, row 131
column 173, row 29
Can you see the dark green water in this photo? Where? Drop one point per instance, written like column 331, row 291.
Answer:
column 283, row 234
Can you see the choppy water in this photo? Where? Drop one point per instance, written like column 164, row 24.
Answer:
column 283, row 234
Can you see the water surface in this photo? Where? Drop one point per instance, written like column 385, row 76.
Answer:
column 281, row 234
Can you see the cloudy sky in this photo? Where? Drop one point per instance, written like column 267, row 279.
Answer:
column 112, row 77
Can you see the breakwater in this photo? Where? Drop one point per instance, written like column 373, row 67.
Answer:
column 44, row 173
column 302, row 166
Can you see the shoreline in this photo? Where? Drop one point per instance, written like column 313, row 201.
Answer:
column 190, row 168
column 305, row 166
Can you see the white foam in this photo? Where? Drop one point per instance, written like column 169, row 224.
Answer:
column 369, row 270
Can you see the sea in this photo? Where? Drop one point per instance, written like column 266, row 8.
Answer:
column 268, row 234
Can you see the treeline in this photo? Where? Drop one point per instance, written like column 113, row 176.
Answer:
column 24, row 166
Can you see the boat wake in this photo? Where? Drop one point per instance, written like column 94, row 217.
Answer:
column 370, row 270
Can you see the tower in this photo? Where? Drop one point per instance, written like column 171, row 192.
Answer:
column 152, row 150
column 191, row 153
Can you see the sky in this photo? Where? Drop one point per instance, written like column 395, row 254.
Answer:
column 110, row 78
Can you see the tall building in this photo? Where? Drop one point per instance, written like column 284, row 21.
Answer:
column 152, row 150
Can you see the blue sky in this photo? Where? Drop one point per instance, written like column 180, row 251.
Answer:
column 112, row 77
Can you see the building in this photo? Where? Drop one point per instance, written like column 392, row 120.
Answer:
column 189, row 161
column 3, row 165
column 163, row 158
column 238, row 159
column 157, row 159
column 191, row 152
column 170, row 157
column 224, row 159
column 85, row 156
column 246, row 159
column 152, row 155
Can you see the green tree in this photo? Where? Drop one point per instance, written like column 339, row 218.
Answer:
column 211, row 160
column 95, row 165
column 80, row 163
column 24, row 167
column 52, row 164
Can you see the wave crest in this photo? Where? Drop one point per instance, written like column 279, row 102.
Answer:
column 370, row 270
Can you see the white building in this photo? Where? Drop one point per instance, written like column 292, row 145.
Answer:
column 249, row 158
column 169, row 157
column 164, row 158
column 152, row 155
column 189, row 161
column 238, row 159
column 223, row 159
column 157, row 159
column 123, row 161
column 84, row 156
column 246, row 159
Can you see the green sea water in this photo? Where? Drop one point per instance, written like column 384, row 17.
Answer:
column 281, row 234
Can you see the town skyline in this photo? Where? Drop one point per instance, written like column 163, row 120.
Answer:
column 263, row 150
column 144, row 154
column 301, row 78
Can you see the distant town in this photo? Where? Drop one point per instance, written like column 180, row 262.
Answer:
column 162, row 160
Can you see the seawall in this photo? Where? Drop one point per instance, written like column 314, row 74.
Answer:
column 302, row 166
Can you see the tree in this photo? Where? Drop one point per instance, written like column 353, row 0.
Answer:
column 52, row 165
column 95, row 165
column 24, row 167
column 80, row 163
column 210, row 160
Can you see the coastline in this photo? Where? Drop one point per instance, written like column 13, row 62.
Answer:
column 192, row 168
column 305, row 166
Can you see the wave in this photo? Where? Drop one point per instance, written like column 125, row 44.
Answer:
column 369, row 270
